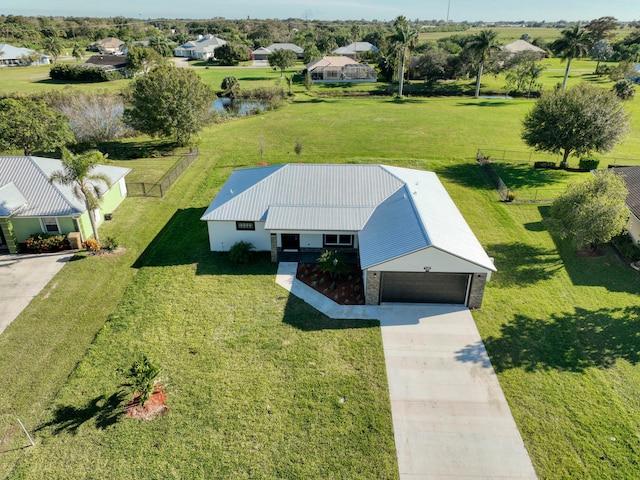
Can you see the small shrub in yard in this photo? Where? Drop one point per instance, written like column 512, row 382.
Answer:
column 42, row 242
column 240, row 252
column 141, row 378
column 588, row 163
column 544, row 165
column 111, row 243
column 91, row 245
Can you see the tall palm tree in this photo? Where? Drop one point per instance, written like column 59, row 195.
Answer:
column 77, row 173
column 404, row 34
column 574, row 43
column 482, row 46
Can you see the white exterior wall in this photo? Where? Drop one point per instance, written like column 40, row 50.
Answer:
column 436, row 259
column 222, row 236
column 634, row 229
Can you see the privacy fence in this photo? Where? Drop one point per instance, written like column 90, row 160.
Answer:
column 161, row 187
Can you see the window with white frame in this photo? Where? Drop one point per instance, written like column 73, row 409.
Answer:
column 337, row 240
column 50, row 225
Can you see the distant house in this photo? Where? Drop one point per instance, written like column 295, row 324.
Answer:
column 201, row 49
column 410, row 240
column 263, row 52
column 109, row 63
column 520, row 46
column 635, row 74
column 631, row 176
column 11, row 56
column 353, row 49
column 340, row 69
column 109, row 45
column 30, row 204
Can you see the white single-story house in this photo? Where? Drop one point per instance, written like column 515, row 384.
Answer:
column 263, row 52
column 340, row 69
column 11, row 56
column 355, row 48
column 30, row 204
column 631, row 176
column 520, row 46
column 203, row 48
column 412, row 243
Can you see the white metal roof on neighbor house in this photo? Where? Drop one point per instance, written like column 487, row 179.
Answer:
column 522, row 46
column 31, row 176
column 397, row 211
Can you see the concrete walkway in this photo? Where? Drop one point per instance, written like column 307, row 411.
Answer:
column 450, row 417
column 21, row 279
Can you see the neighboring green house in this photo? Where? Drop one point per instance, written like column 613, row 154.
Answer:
column 30, row 204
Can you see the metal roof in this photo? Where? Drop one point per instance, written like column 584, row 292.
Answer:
column 30, row 175
column 11, row 199
column 631, row 176
column 396, row 211
column 9, row 52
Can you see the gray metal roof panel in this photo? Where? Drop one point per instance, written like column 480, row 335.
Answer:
column 631, row 176
column 314, row 218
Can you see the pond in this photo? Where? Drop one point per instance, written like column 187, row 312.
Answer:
column 241, row 108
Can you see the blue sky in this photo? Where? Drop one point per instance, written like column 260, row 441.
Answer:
column 471, row 10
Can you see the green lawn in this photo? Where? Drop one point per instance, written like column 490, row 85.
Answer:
column 254, row 377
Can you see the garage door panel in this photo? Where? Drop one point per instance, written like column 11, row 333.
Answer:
column 416, row 287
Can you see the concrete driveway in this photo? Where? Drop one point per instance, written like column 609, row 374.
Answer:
column 21, row 279
column 450, row 416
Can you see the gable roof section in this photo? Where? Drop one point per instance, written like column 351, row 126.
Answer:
column 522, row 46
column 11, row 200
column 631, row 176
column 9, row 52
column 331, row 61
column 356, row 47
column 30, row 175
column 203, row 43
column 285, row 46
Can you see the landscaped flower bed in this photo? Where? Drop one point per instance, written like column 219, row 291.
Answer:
column 345, row 290
column 42, row 242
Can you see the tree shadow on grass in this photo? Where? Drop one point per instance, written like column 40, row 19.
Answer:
column 570, row 342
column 522, row 264
column 522, row 175
column 105, row 411
column 467, row 174
column 485, row 103
column 184, row 240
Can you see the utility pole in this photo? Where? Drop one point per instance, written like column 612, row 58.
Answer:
column 448, row 9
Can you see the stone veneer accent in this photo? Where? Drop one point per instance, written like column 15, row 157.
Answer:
column 274, row 247
column 478, row 281
column 9, row 237
column 372, row 296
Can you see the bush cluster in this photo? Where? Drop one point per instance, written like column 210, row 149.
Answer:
column 43, row 242
column 67, row 71
column 240, row 252
column 91, row 244
column 544, row 165
column 588, row 163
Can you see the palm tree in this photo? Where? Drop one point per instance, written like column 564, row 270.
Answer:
column 77, row 173
column 482, row 46
column 574, row 43
column 403, row 36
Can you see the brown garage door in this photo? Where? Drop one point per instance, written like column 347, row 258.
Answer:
column 412, row 287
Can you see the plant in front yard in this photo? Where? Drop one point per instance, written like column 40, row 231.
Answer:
column 240, row 252
column 42, row 242
column 91, row 245
column 141, row 378
column 333, row 262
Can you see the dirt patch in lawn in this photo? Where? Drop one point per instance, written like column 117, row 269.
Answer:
column 345, row 290
column 153, row 407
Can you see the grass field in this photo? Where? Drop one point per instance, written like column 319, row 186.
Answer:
column 254, row 377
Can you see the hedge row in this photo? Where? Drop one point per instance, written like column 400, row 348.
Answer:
column 78, row 73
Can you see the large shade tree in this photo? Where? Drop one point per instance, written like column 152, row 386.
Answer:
column 482, row 46
column 574, row 42
column 169, row 102
column 591, row 212
column 282, row 59
column 78, row 172
column 577, row 121
column 32, row 126
column 403, row 36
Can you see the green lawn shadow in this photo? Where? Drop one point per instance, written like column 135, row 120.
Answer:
column 522, row 175
column 523, row 264
column 571, row 341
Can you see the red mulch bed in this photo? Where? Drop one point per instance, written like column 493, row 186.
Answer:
column 348, row 290
column 154, row 406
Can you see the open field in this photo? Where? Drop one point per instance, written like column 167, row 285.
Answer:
column 254, row 377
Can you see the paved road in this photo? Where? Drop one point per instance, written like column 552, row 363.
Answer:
column 21, row 279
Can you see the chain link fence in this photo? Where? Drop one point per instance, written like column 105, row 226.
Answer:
column 161, row 187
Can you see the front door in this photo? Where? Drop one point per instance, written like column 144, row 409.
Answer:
column 290, row 242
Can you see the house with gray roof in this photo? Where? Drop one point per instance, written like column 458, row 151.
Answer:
column 340, row 69
column 203, row 48
column 263, row 52
column 411, row 242
column 631, row 176
column 11, row 56
column 354, row 49
column 520, row 46
column 30, row 204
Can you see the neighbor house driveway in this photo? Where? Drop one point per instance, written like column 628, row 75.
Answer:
column 21, row 279
column 450, row 417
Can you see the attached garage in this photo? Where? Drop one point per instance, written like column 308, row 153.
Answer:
column 421, row 287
